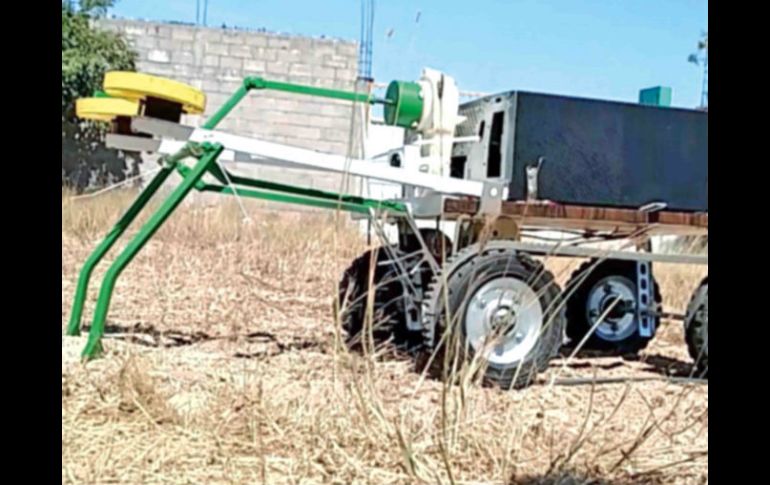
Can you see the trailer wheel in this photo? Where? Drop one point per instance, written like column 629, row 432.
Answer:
column 387, row 313
column 596, row 288
column 696, row 328
column 498, row 304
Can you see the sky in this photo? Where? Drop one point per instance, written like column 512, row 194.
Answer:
column 605, row 49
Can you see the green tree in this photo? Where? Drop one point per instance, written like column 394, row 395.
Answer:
column 86, row 54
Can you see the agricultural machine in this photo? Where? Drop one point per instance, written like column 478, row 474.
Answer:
column 501, row 170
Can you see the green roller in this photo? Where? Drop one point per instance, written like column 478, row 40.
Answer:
column 405, row 104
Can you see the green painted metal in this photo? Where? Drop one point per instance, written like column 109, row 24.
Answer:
column 73, row 328
column 348, row 206
column 206, row 154
column 311, row 197
column 406, row 104
column 226, row 108
column 210, row 154
column 262, row 83
column 318, row 194
column 657, row 96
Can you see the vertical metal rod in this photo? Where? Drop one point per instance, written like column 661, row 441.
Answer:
column 93, row 347
column 73, row 328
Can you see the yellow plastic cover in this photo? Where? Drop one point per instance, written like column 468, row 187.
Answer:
column 138, row 86
column 105, row 109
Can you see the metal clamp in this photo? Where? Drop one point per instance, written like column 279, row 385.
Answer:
column 532, row 173
column 491, row 202
column 645, row 298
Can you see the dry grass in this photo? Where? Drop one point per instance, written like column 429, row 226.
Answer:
column 224, row 368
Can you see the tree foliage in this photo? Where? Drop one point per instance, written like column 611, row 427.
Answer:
column 86, row 54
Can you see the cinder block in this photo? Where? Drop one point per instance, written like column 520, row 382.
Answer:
column 348, row 50
column 184, row 70
column 277, row 67
column 308, row 133
column 229, row 87
column 334, row 110
column 159, row 30
column 215, row 48
column 175, row 45
column 253, row 66
column 231, row 63
column 324, row 72
column 256, row 40
column 278, row 42
column 157, row 55
column 233, row 37
column 208, row 35
column 264, row 54
column 183, row 33
column 301, row 43
column 212, row 86
column 231, row 75
column 239, row 50
column 286, row 105
column 211, row 60
column 182, row 57
column 289, row 55
column 335, row 60
column 335, row 134
column 346, row 76
column 144, row 42
column 297, row 69
column 157, row 69
column 322, row 48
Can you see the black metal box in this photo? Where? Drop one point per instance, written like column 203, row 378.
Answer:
column 598, row 153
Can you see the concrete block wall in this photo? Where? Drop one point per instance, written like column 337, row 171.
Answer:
column 216, row 60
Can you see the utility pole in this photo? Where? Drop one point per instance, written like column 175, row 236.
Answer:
column 702, row 58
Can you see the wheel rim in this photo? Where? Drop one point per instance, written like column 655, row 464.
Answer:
column 503, row 320
column 619, row 322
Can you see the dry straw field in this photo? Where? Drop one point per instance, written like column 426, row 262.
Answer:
column 223, row 366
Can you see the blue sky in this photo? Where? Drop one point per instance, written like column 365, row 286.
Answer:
column 607, row 49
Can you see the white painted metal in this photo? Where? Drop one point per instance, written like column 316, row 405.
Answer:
column 503, row 320
column 362, row 168
column 440, row 116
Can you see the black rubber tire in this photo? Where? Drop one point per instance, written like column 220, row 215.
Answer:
column 577, row 320
column 696, row 328
column 387, row 311
column 467, row 271
column 438, row 243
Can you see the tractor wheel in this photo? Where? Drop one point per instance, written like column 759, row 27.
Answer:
column 696, row 328
column 387, row 312
column 498, row 304
column 597, row 287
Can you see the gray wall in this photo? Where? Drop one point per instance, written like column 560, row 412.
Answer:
column 216, row 60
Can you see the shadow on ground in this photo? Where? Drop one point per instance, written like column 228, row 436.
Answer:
column 580, row 479
column 149, row 336
column 656, row 364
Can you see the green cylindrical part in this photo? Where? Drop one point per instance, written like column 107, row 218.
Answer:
column 405, row 104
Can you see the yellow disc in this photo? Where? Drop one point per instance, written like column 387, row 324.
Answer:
column 137, row 86
column 105, row 109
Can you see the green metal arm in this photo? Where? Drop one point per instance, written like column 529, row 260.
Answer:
column 192, row 178
column 305, row 196
column 93, row 347
column 73, row 328
column 250, row 83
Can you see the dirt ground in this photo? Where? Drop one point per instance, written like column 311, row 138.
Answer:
column 221, row 367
